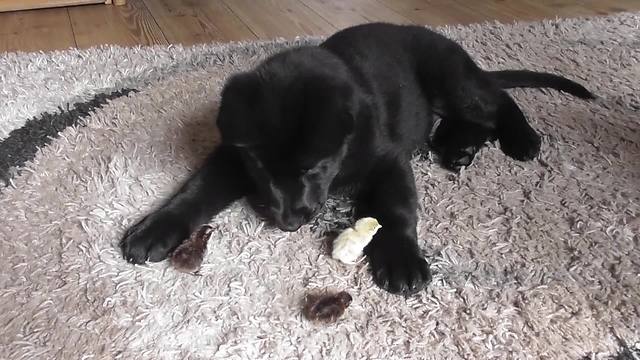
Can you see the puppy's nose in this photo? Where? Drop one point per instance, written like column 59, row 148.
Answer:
column 290, row 226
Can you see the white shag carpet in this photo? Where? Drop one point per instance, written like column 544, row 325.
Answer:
column 536, row 260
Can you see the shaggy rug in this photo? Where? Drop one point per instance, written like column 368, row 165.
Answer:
column 535, row 260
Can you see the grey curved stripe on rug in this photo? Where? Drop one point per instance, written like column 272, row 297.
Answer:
column 535, row 260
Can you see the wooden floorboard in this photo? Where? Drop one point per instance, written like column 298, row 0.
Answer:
column 198, row 21
column 145, row 22
column 33, row 30
column 447, row 12
column 342, row 14
column 586, row 7
column 127, row 25
column 280, row 18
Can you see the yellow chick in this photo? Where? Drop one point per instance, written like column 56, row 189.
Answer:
column 348, row 246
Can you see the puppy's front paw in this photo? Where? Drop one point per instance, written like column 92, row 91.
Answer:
column 153, row 238
column 399, row 269
column 520, row 142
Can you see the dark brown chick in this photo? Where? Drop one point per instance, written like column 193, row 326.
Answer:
column 189, row 255
column 326, row 307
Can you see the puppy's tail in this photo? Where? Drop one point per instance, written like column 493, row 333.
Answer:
column 507, row 79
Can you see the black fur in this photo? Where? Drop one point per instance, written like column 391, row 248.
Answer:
column 348, row 112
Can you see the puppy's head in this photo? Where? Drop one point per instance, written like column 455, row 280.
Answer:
column 292, row 125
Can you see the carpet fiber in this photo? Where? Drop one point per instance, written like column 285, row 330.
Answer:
column 536, row 260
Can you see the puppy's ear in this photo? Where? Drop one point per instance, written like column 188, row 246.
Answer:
column 237, row 120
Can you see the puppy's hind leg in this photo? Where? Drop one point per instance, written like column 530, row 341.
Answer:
column 468, row 121
column 474, row 110
column 457, row 142
column 517, row 138
column 477, row 111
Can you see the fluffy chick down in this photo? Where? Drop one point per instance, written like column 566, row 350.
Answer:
column 348, row 246
column 189, row 255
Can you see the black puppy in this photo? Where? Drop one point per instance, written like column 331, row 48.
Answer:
column 348, row 112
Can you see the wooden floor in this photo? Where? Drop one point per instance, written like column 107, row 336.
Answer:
column 144, row 22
